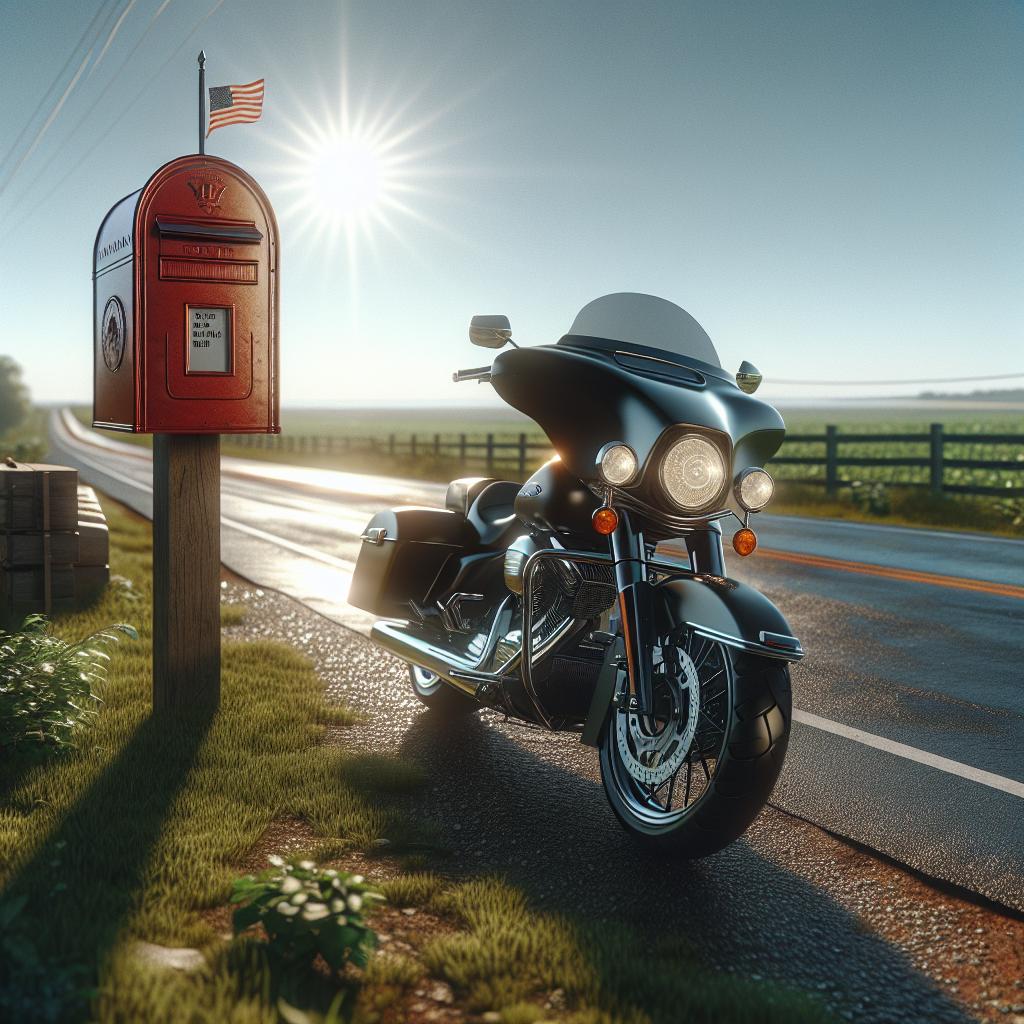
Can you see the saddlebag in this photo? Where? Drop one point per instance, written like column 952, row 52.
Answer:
column 403, row 553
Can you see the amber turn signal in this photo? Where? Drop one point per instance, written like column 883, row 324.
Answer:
column 605, row 520
column 744, row 541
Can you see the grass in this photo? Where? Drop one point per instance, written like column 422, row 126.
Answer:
column 27, row 442
column 137, row 835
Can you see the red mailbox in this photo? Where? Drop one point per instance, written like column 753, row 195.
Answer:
column 185, row 289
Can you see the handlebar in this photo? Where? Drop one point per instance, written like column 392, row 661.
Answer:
column 481, row 373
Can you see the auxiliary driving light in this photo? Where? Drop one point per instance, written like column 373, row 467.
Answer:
column 605, row 520
column 754, row 489
column 744, row 541
column 692, row 472
column 618, row 464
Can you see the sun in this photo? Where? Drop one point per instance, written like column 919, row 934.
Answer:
column 347, row 178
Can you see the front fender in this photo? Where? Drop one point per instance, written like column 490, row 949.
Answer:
column 730, row 612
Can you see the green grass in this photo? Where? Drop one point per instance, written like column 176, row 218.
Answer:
column 138, row 833
column 27, row 442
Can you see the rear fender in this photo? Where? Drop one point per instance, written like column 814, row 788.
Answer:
column 730, row 612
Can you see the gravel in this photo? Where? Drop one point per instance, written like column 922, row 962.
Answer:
column 788, row 902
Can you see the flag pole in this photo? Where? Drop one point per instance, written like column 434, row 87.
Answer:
column 202, row 102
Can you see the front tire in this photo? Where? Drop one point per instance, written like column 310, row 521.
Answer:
column 440, row 697
column 732, row 712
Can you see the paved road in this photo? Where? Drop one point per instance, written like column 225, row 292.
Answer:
column 909, row 732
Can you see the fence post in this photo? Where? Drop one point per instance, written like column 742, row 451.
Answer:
column 831, row 466
column 522, row 456
column 490, row 454
column 936, row 458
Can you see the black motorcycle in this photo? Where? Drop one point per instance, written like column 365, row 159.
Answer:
column 551, row 602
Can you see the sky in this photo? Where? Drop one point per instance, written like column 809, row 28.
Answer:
column 832, row 189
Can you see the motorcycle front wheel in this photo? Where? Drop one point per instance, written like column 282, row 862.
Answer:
column 691, row 778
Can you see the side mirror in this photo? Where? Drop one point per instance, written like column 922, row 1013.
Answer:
column 490, row 331
column 748, row 378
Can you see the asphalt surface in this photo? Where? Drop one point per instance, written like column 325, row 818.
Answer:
column 925, row 661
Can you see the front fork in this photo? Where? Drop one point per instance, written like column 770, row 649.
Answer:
column 637, row 597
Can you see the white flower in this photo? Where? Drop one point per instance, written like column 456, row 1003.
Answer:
column 338, row 884
column 337, row 906
column 314, row 911
column 299, row 898
column 355, row 901
column 278, row 862
column 331, row 873
column 357, row 879
column 290, row 885
column 287, row 909
column 306, row 865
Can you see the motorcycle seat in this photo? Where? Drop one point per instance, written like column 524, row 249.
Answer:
column 488, row 506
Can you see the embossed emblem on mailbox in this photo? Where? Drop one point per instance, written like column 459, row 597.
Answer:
column 209, row 191
column 113, row 333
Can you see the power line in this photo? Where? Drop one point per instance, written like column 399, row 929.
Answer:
column 113, row 124
column 99, row 99
column 926, row 380
column 57, row 79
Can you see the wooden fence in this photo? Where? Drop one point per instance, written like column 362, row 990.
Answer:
column 954, row 463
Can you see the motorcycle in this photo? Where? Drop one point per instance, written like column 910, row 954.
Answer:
column 558, row 602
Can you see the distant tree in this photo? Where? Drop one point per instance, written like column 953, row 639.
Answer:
column 15, row 401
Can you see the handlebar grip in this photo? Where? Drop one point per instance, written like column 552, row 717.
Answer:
column 480, row 373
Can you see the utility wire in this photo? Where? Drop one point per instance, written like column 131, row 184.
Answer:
column 927, row 380
column 99, row 99
column 54, row 84
column 64, row 97
column 100, row 139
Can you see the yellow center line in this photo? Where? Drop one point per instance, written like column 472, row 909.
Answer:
column 890, row 572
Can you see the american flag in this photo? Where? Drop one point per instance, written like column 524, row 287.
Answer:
column 233, row 104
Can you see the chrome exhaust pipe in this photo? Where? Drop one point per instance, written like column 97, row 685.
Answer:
column 394, row 636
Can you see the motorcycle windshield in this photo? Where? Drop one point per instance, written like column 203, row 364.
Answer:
column 644, row 324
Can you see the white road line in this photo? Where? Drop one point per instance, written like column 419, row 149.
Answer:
column 234, row 524
column 283, row 542
column 944, row 764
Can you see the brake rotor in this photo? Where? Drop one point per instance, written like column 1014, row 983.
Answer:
column 654, row 759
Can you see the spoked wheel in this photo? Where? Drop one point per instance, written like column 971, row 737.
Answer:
column 696, row 774
column 441, row 697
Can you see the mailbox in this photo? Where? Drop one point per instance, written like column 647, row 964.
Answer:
column 185, row 290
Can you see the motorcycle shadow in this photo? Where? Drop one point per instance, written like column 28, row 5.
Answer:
column 528, row 806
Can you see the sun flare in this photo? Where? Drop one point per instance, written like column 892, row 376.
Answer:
column 347, row 178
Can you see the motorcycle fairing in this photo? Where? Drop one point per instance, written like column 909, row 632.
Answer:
column 583, row 398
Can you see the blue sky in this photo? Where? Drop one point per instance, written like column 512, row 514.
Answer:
column 832, row 189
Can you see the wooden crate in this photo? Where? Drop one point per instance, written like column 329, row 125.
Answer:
column 93, row 543
column 34, row 496
column 24, row 549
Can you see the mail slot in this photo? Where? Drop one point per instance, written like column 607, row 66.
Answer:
column 185, row 289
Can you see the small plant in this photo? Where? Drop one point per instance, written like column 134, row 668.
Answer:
column 49, row 687
column 1012, row 510
column 306, row 910
column 871, row 497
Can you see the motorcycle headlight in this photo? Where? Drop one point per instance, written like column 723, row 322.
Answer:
column 618, row 464
column 754, row 488
column 692, row 472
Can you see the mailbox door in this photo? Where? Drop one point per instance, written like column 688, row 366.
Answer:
column 209, row 301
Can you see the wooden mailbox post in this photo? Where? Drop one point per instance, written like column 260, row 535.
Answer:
column 185, row 289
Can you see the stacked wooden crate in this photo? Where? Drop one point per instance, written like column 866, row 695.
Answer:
column 50, row 558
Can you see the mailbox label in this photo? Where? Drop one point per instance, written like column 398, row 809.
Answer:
column 209, row 339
